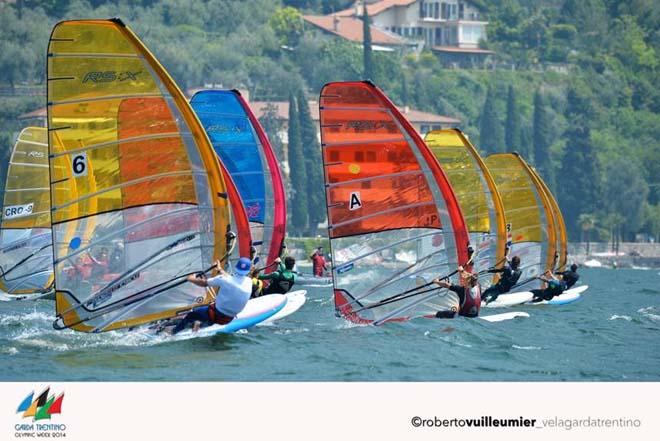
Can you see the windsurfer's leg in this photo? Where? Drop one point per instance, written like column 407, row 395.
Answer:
column 538, row 295
column 200, row 313
column 445, row 314
column 491, row 294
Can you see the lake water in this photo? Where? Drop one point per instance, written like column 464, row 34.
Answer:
column 611, row 334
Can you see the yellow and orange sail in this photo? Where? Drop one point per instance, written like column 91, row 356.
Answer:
column 150, row 204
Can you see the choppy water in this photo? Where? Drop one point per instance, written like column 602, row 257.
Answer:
column 612, row 334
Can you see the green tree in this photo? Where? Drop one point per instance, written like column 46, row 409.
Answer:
column 587, row 223
column 405, row 99
column 297, row 172
column 580, row 178
column 624, row 192
column 513, row 122
column 366, row 45
column 526, row 142
column 288, row 25
column 542, row 140
column 313, row 165
column 491, row 135
column 273, row 125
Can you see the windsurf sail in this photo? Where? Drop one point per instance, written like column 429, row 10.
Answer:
column 26, row 250
column 244, row 148
column 560, row 226
column 476, row 193
column 385, row 195
column 529, row 221
column 150, row 205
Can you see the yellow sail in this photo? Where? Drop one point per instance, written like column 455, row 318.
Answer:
column 150, row 206
column 527, row 210
column 25, row 235
column 476, row 192
column 560, row 226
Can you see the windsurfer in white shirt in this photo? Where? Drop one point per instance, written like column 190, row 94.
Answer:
column 234, row 291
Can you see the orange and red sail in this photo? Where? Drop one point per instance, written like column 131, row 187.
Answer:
column 393, row 218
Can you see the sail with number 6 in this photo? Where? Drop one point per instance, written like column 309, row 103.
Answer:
column 151, row 205
column 386, row 195
column 26, row 247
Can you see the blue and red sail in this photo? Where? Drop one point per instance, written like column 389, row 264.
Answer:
column 244, row 149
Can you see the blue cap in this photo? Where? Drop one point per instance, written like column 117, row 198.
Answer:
column 243, row 266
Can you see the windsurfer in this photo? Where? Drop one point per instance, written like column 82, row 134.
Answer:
column 281, row 280
column 233, row 294
column 319, row 265
column 469, row 296
column 569, row 277
column 510, row 275
column 554, row 288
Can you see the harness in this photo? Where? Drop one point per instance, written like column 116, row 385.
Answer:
column 471, row 302
column 217, row 317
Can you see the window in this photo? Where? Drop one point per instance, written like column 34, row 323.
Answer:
column 472, row 34
column 436, row 127
column 461, row 11
column 452, row 12
column 443, row 11
column 436, row 10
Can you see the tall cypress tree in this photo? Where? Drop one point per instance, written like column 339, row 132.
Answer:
column 366, row 44
column 491, row 136
column 542, row 139
column 313, row 164
column 297, row 172
column 526, row 142
column 404, row 89
column 513, row 132
column 579, row 173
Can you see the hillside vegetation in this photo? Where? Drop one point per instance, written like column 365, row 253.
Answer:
column 573, row 85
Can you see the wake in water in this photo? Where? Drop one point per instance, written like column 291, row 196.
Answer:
column 33, row 329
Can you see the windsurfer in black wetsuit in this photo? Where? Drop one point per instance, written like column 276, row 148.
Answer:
column 569, row 277
column 555, row 287
column 510, row 275
column 469, row 296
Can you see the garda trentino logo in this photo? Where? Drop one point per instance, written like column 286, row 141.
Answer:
column 42, row 407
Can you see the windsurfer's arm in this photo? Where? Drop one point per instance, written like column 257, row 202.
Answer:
column 442, row 283
column 199, row 281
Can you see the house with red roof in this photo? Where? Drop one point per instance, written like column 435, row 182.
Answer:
column 453, row 29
